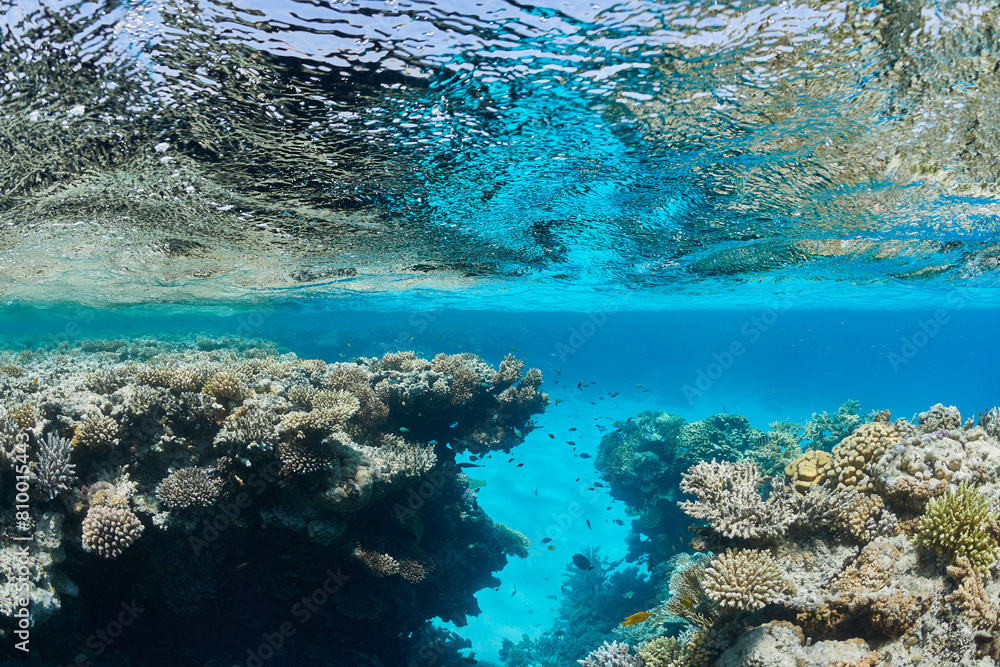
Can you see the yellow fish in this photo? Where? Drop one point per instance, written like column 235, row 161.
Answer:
column 636, row 618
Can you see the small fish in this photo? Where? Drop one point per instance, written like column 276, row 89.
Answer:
column 468, row 465
column 619, row 522
column 585, row 455
column 598, row 484
column 579, row 384
column 515, row 592
column 453, row 425
column 570, row 442
column 558, row 401
column 614, row 394
column 557, row 632
column 628, row 596
column 536, row 492
column 588, row 524
column 582, row 562
column 519, row 465
column 403, row 429
column 635, row 619
column 350, row 345
column 484, row 384
column 511, row 460
column 546, row 540
column 552, row 436
column 551, row 548
column 518, row 433
column 433, row 442
column 600, row 428
column 638, row 386
column 572, row 428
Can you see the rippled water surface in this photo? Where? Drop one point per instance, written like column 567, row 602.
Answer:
column 497, row 153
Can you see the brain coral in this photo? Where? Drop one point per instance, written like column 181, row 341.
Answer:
column 961, row 523
column 110, row 526
column 188, row 487
column 744, row 580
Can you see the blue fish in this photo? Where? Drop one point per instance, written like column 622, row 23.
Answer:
column 403, row 429
column 433, row 442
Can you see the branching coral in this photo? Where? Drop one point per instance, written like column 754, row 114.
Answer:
column 189, row 487
column 96, row 431
column 110, row 526
column 744, row 580
column 614, row 654
column 53, row 471
column 957, row 525
column 728, row 497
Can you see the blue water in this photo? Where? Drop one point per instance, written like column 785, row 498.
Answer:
column 755, row 208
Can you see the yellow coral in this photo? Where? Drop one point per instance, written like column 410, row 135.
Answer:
column 957, row 524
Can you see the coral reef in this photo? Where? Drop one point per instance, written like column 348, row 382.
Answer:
column 881, row 550
column 211, row 477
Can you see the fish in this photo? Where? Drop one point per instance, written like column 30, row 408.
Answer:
column 551, row 548
column 536, row 492
column 433, row 442
column 628, row 596
column 572, row 428
column 453, row 425
column 518, row 433
column 588, row 524
column 585, row 455
column 552, row 436
column 511, row 460
column 403, row 429
column 582, row 562
column 468, row 465
column 570, row 442
column 600, row 428
column 619, row 522
column 614, row 394
column 484, row 384
column 519, row 465
column 635, row 618
column 546, row 540
column 558, row 401
column 579, row 384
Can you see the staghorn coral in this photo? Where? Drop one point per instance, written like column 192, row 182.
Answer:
column 53, row 471
column 468, row 375
column 225, row 385
column 96, row 432
column 306, row 456
column 378, row 563
column 372, row 412
column 728, row 498
column 614, row 654
column 958, row 525
column 971, row 596
column 688, row 599
column 110, row 526
column 394, row 459
column 863, row 517
column 190, row 377
column 743, row 580
column 403, row 362
column 189, row 487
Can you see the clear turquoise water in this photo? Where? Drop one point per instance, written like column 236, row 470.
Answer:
column 621, row 192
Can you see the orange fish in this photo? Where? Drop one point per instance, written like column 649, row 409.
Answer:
column 636, row 618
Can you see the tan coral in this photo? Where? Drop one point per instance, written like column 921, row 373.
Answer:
column 744, row 580
column 807, row 469
column 849, row 465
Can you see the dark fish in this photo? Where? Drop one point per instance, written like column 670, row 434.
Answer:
column 546, row 540
column 762, row 440
column 588, row 524
column 552, row 436
column 614, row 394
column 585, row 455
column 468, row 465
column 511, row 460
column 581, row 562
column 600, row 428
column 536, row 492
column 619, row 522
column 572, row 428
column 519, row 465
column 570, row 442
column 578, row 479
column 579, row 384
column 598, row 485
